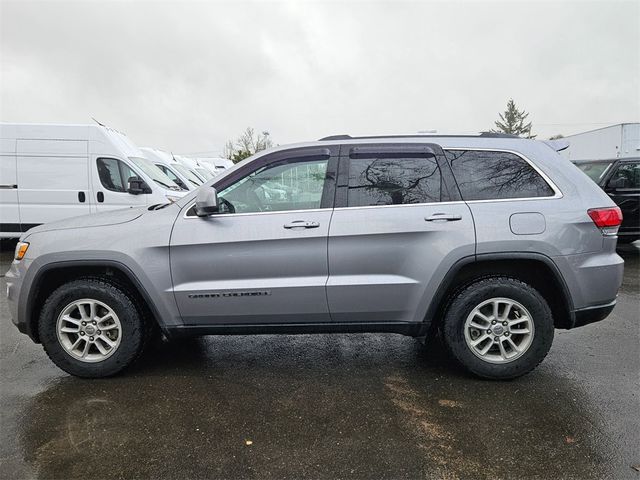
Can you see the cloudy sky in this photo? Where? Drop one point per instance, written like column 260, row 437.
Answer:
column 187, row 76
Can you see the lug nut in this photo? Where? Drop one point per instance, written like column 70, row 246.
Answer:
column 496, row 338
column 505, row 323
column 94, row 322
column 506, row 334
column 489, row 331
column 91, row 338
column 493, row 322
column 99, row 332
column 84, row 323
column 82, row 333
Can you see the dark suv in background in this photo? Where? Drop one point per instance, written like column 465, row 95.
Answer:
column 620, row 179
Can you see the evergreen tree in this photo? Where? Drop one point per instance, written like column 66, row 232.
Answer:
column 513, row 121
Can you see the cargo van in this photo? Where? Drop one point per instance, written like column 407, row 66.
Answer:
column 192, row 163
column 183, row 176
column 51, row 172
column 216, row 164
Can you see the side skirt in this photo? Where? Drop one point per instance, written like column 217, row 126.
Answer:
column 403, row 328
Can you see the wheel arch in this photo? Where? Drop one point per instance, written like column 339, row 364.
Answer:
column 50, row 276
column 535, row 269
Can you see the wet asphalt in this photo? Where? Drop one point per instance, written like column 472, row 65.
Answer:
column 328, row 406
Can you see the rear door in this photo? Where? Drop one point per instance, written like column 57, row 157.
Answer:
column 397, row 228
column 623, row 187
column 9, row 211
column 53, row 180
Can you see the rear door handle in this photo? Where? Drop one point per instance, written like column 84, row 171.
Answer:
column 443, row 217
column 301, row 224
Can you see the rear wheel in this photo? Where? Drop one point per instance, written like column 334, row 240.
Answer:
column 498, row 328
column 91, row 328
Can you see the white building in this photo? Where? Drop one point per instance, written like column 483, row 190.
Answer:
column 616, row 141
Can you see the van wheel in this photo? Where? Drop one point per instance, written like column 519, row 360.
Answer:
column 498, row 328
column 91, row 328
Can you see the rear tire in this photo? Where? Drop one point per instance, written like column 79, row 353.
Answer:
column 91, row 328
column 498, row 328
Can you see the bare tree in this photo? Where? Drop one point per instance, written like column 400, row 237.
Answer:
column 247, row 144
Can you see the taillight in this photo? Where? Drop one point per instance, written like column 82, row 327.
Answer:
column 606, row 219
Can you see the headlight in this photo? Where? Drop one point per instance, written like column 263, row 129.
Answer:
column 21, row 249
column 172, row 199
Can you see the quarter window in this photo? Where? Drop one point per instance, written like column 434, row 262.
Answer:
column 114, row 174
column 280, row 187
column 483, row 175
column 393, row 180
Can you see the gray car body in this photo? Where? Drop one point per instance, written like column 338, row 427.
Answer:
column 363, row 269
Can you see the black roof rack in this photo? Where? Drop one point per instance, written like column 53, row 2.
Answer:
column 417, row 135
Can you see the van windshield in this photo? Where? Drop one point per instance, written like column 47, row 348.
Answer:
column 154, row 173
column 204, row 173
column 188, row 174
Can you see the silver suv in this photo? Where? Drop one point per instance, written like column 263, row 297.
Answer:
column 490, row 240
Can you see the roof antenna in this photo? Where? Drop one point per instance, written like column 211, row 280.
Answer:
column 98, row 122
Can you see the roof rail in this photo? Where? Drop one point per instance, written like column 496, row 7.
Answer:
column 417, row 135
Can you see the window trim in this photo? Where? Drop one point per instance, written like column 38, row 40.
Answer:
column 557, row 193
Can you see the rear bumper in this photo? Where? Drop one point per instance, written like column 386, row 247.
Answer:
column 585, row 316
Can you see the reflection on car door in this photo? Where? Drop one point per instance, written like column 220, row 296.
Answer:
column 397, row 224
column 264, row 260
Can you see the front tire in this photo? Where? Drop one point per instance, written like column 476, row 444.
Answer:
column 91, row 328
column 498, row 328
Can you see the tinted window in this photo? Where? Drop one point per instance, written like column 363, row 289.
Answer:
column 627, row 176
column 393, row 181
column 114, row 174
column 495, row 175
column 288, row 186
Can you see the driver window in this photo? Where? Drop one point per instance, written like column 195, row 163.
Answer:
column 276, row 188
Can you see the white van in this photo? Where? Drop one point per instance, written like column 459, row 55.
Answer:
column 216, row 164
column 192, row 163
column 51, row 172
column 182, row 175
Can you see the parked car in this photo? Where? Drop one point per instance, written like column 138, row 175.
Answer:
column 620, row 179
column 52, row 172
column 491, row 240
column 176, row 171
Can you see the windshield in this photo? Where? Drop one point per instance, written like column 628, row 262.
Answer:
column 204, row 173
column 188, row 174
column 595, row 170
column 154, row 173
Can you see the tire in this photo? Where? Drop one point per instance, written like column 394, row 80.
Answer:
column 128, row 338
column 501, row 361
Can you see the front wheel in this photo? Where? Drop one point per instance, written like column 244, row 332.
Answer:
column 91, row 328
column 498, row 328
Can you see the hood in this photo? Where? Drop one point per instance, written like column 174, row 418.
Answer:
column 113, row 217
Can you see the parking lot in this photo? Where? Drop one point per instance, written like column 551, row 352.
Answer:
column 339, row 406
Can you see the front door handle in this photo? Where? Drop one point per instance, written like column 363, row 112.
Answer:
column 443, row 217
column 301, row 224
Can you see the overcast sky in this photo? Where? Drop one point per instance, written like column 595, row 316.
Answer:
column 188, row 76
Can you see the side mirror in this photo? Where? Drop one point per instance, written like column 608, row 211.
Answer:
column 136, row 186
column 207, row 201
column 617, row 183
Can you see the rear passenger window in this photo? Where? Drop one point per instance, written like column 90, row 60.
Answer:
column 393, row 181
column 483, row 175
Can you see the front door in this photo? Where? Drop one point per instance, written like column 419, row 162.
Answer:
column 398, row 225
column 110, row 178
column 263, row 259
